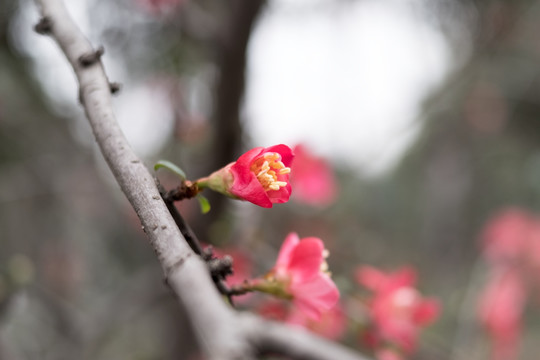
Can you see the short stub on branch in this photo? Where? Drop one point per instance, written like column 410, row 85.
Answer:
column 44, row 26
column 89, row 59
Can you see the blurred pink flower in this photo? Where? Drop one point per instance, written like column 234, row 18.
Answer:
column 398, row 311
column 312, row 178
column 500, row 310
column 505, row 237
column 384, row 282
column 512, row 238
column 302, row 270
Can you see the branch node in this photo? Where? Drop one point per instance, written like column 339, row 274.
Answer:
column 175, row 266
column 186, row 190
column 115, row 87
column 220, row 268
column 89, row 59
column 44, row 26
column 207, row 253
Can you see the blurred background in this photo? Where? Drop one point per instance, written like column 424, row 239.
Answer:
column 427, row 112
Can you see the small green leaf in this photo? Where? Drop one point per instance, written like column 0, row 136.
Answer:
column 204, row 203
column 170, row 166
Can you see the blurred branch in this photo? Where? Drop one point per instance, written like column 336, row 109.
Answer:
column 231, row 83
column 197, row 24
column 222, row 333
column 272, row 338
column 229, row 93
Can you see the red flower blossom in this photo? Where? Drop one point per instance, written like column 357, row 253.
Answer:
column 260, row 176
column 512, row 239
column 500, row 310
column 301, row 273
column 506, row 236
column 381, row 282
column 313, row 179
column 397, row 309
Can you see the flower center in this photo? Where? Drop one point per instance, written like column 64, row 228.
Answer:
column 404, row 300
column 267, row 168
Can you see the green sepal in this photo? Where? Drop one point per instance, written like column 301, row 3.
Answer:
column 204, row 203
column 272, row 287
column 171, row 167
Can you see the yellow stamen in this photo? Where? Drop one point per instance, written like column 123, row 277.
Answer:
column 324, row 267
column 262, row 172
column 267, row 170
column 271, row 156
column 284, row 171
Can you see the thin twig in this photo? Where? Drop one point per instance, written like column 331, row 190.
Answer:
column 188, row 234
column 219, row 268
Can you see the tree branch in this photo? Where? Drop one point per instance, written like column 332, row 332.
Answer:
column 222, row 333
column 275, row 338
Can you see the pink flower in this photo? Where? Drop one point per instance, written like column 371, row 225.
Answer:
column 381, row 282
column 500, row 310
column 260, row 176
column 313, row 179
column 505, row 237
column 301, row 271
column 512, row 238
column 397, row 309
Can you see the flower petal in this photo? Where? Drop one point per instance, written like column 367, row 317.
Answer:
column 426, row 312
column 284, row 151
column 241, row 168
column 306, row 259
column 315, row 296
column 370, row 277
column 284, row 257
column 313, row 178
column 279, row 196
column 251, row 190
